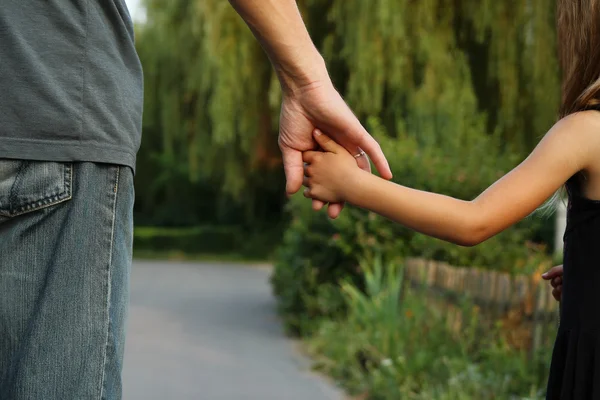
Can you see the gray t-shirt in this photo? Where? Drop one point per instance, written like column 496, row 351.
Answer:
column 71, row 85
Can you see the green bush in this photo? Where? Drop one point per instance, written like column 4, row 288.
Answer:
column 207, row 240
column 462, row 170
column 394, row 345
column 309, row 264
column 316, row 253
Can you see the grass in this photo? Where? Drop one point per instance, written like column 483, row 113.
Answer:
column 395, row 344
column 203, row 243
column 175, row 255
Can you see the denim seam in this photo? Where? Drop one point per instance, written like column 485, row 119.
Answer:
column 15, row 185
column 109, row 282
column 46, row 201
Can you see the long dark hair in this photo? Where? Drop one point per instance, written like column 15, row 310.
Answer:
column 578, row 26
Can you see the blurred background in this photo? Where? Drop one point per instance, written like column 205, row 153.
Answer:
column 457, row 93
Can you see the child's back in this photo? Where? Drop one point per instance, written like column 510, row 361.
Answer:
column 575, row 370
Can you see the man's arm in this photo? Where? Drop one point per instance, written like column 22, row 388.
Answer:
column 309, row 99
column 278, row 26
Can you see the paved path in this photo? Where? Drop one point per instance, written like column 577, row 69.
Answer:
column 210, row 332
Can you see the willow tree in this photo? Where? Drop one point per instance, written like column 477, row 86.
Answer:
column 438, row 70
column 433, row 67
column 205, row 57
column 210, row 108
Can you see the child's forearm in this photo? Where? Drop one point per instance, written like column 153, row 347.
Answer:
column 570, row 147
column 432, row 214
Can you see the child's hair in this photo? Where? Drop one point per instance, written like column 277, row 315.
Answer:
column 578, row 24
column 578, row 30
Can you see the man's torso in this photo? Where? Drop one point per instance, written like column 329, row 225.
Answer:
column 71, row 86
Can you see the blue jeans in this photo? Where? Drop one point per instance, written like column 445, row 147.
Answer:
column 66, row 233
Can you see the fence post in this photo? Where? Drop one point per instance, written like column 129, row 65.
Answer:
column 535, row 322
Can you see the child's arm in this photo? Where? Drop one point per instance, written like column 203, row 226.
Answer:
column 572, row 145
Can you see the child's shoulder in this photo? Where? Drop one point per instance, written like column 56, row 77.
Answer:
column 579, row 132
column 580, row 138
column 587, row 121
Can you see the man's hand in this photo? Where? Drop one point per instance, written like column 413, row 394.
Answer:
column 319, row 105
column 555, row 276
column 309, row 99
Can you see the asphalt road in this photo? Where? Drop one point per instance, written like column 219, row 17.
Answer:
column 209, row 331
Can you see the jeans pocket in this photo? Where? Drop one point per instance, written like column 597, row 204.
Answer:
column 27, row 186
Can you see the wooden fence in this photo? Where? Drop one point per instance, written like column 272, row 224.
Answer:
column 523, row 303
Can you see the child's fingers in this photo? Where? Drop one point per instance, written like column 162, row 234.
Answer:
column 334, row 210
column 553, row 272
column 557, row 294
column 326, row 143
column 556, row 282
column 306, row 181
column 317, row 205
column 307, row 170
column 310, row 156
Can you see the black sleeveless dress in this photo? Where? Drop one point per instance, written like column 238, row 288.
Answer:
column 575, row 368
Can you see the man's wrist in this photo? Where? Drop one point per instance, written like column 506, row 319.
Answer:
column 302, row 70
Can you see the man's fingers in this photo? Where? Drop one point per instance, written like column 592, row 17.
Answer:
column 326, row 143
column 363, row 161
column 372, row 148
column 293, row 167
column 348, row 131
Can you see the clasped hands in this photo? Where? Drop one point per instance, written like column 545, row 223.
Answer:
column 331, row 174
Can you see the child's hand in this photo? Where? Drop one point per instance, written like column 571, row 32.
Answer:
column 328, row 174
column 555, row 276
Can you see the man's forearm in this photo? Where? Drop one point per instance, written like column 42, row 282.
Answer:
column 278, row 26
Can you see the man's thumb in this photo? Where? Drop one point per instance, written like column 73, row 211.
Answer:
column 325, row 142
column 294, row 169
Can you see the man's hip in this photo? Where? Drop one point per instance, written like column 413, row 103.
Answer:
column 66, row 232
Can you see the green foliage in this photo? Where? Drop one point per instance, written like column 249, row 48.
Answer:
column 457, row 93
column 207, row 240
column 405, row 59
column 317, row 253
column 425, row 70
column 394, row 345
column 209, row 153
column 462, row 167
column 209, row 87
column 310, row 263
column 445, row 94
